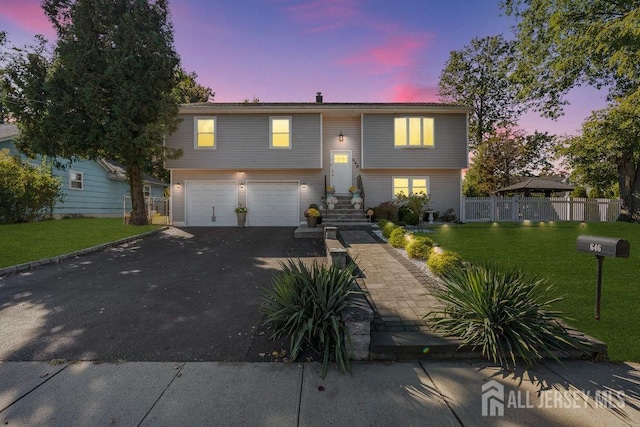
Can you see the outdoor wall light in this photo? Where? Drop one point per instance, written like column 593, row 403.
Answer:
column 304, row 185
column 341, row 137
column 242, row 185
column 178, row 185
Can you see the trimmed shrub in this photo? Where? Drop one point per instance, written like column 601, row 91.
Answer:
column 305, row 303
column 386, row 210
column 382, row 223
column 397, row 239
column 448, row 215
column 388, row 228
column 503, row 312
column 419, row 247
column 443, row 263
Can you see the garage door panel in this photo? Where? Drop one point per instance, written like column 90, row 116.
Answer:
column 203, row 196
column 273, row 204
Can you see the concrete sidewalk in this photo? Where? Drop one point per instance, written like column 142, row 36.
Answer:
column 409, row 393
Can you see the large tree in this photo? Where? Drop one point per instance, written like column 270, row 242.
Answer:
column 108, row 90
column 608, row 153
column 479, row 76
column 566, row 43
column 506, row 154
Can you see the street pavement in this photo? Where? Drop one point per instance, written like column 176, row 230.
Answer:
column 438, row 393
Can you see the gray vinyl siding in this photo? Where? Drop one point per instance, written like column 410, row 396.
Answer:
column 242, row 142
column 444, row 187
column 449, row 151
column 350, row 128
column 313, row 180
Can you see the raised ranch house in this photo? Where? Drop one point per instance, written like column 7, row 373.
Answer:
column 93, row 188
column 275, row 157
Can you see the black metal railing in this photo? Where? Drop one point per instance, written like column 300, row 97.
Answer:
column 361, row 188
column 324, row 195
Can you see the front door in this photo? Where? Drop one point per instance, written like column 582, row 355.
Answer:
column 341, row 170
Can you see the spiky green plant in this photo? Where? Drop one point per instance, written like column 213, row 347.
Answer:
column 304, row 303
column 505, row 313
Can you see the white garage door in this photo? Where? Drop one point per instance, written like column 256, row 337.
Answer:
column 202, row 197
column 273, row 204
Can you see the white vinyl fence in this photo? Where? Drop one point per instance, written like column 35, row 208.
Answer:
column 519, row 209
column 157, row 209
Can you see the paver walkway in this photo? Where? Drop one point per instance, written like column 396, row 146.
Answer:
column 400, row 294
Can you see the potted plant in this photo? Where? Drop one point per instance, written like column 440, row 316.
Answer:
column 355, row 191
column 312, row 215
column 241, row 213
column 356, row 201
column 331, row 201
column 330, row 189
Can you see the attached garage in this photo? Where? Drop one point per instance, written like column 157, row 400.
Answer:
column 273, row 204
column 211, row 203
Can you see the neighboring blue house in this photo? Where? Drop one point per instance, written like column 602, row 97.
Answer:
column 94, row 188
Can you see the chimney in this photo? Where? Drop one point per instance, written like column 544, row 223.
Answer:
column 319, row 97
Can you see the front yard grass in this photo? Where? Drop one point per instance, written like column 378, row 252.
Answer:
column 549, row 250
column 20, row 243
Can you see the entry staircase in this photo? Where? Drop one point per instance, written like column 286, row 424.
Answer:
column 343, row 213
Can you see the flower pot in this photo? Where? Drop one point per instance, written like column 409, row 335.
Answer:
column 312, row 221
column 357, row 205
column 242, row 218
column 331, row 205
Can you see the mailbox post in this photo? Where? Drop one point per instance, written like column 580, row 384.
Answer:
column 602, row 247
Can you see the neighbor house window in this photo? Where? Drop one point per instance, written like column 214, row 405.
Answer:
column 408, row 185
column 146, row 190
column 280, row 132
column 413, row 132
column 205, row 132
column 75, row 180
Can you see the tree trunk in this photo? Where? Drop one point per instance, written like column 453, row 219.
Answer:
column 138, row 208
column 629, row 182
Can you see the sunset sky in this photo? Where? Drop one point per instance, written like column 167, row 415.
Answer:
column 350, row 50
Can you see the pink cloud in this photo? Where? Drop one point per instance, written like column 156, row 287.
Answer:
column 26, row 14
column 325, row 15
column 407, row 92
column 398, row 52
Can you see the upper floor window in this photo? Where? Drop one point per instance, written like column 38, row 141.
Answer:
column 413, row 132
column 146, row 190
column 205, row 132
column 280, row 128
column 76, row 181
column 408, row 185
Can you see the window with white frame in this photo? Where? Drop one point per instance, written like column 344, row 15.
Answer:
column 146, row 189
column 280, row 131
column 408, row 185
column 413, row 132
column 76, row 181
column 205, row 132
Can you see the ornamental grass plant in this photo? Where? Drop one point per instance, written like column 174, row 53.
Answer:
column 505, row 312
column 304, row 303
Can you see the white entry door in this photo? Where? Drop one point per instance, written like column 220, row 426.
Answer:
column 341, row 170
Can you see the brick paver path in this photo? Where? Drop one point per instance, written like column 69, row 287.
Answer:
column 398, row 290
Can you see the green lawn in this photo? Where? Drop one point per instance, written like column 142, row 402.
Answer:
column 20, row 243
column 549, row 250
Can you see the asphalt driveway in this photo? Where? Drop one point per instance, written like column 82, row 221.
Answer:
column 189, row 294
